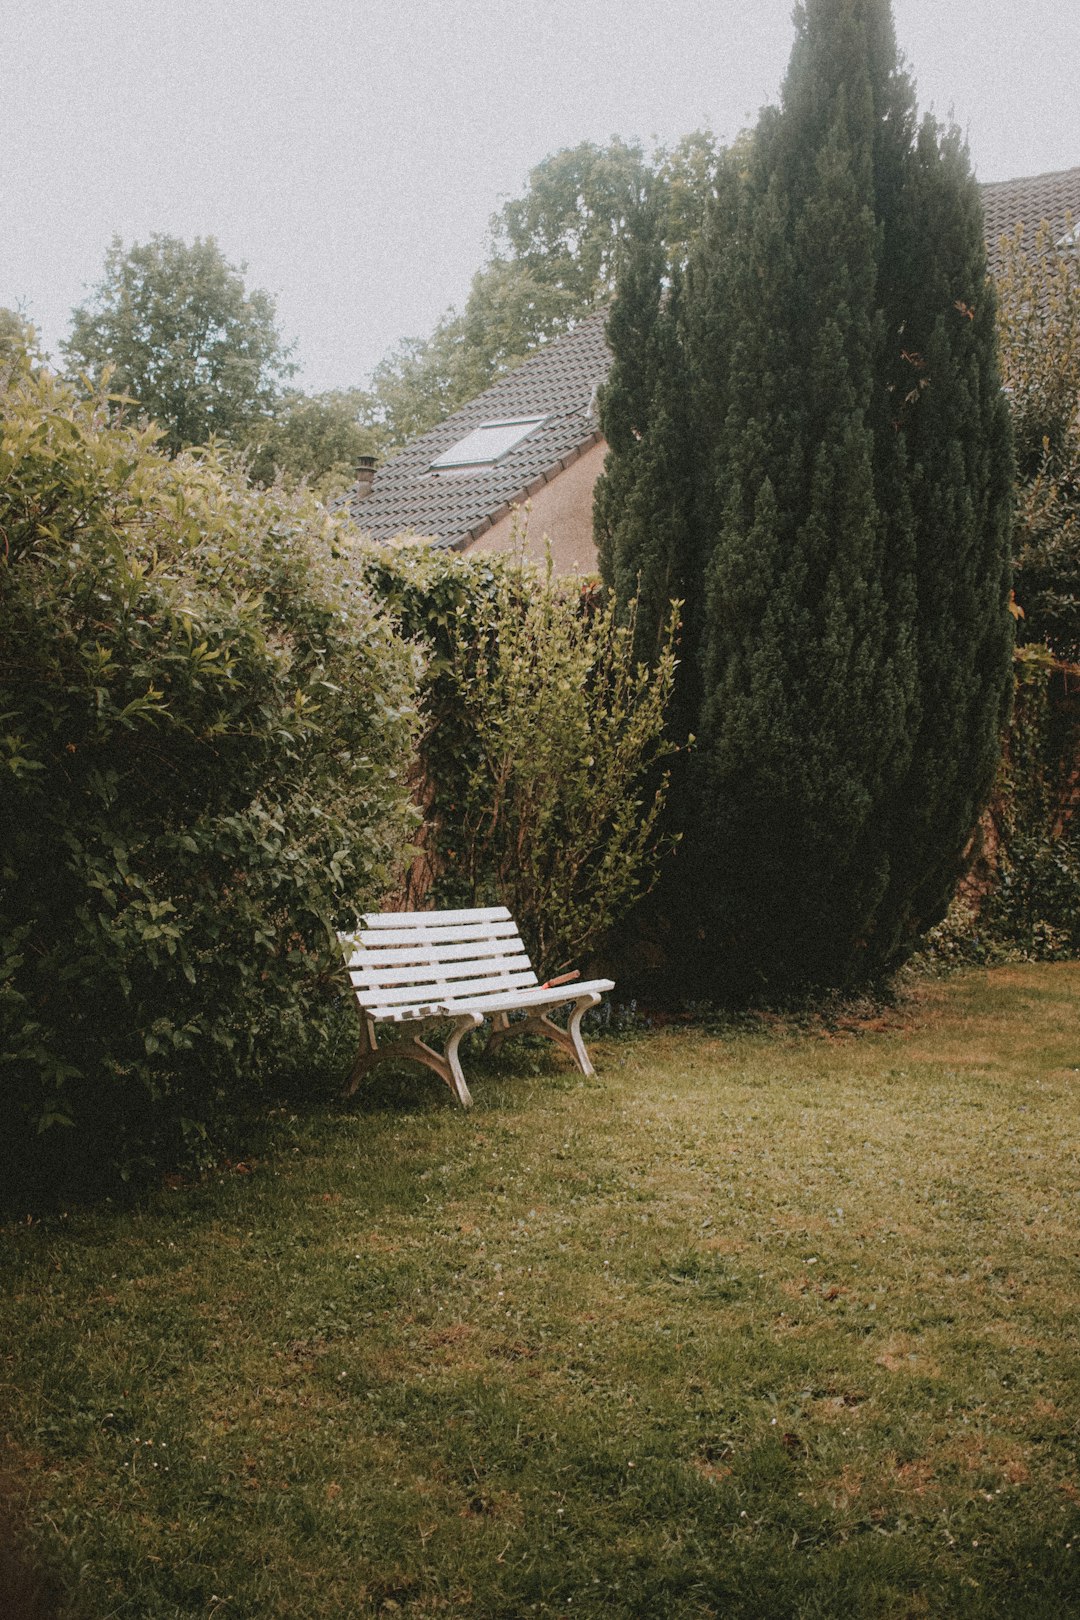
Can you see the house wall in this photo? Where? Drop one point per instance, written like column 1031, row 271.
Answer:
column 562, row 510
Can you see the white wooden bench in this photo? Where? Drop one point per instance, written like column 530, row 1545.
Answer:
column 462, row 966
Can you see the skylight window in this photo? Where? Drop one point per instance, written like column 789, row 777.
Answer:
column 485, row 445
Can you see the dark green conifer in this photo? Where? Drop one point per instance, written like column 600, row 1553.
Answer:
column 954, row 430
column 643, row 501
column 835, row 367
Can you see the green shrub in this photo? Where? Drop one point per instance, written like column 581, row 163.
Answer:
column 205, row 732
column 1026, row 903
column 1038, row 286
column 1034, row 906
column 560, row 814
column 541, row 776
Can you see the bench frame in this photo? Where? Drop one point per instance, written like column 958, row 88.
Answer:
column 461, row 967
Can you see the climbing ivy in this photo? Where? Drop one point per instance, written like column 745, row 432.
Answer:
column 1024, row 896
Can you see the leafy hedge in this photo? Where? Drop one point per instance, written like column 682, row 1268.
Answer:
column 1023, row 899
column 541, row 774
column 205, row 731
column 1033, row 906
column 1038, row 287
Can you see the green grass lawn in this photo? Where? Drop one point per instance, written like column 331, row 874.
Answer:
column 767, row 1324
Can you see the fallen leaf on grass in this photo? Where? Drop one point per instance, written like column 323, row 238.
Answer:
column 453, row 1333
column 712, row 1471
column 915, row 1477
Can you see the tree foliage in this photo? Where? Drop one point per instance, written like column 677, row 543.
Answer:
column 184, row 338
column 541, row 756
column 644, row 501
column 423, row 380
column 560, row 815
column 18, row 341
column 1022, row 899
column 1038, row 290
column 553, row 260
column 314, row 439
column 205, row 732
column 830, row 352
column 566, row 228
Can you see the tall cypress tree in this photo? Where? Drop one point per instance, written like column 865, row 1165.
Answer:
column 955, row 434
column 643, row 501
column 835, row 361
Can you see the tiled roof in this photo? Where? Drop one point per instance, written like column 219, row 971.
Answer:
column 557, row 383
column 1009, row 203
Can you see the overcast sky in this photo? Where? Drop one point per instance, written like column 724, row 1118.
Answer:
column 351, row 152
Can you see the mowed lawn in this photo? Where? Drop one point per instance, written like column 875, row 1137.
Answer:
column 768, row 1323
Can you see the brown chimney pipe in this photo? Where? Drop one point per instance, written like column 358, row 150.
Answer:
column 365, row 477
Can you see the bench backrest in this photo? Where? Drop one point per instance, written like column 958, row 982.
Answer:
column 401, row 962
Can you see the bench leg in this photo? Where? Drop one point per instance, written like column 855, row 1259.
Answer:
column 369, row 1047
column 568, row 1039
column 446, row 1064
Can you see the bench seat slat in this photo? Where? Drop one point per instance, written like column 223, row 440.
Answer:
column 369, row 978
column 443, row 993
column 426, row 937
column 496, row 949
column 389, row 985
column 495, row 1001
column 517, row 1001
column 405, row 1015
column 435, row 921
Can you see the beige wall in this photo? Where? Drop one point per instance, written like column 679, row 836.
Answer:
column 561, row 510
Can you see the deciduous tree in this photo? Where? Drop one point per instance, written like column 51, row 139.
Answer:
column 185, row 339
column 20, row 347
column 554, row 255
column 315, row 439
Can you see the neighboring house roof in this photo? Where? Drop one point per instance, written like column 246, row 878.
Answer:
column 1009, row 203
column 557, row 385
